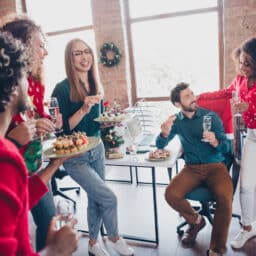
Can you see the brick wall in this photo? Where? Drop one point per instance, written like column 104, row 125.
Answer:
column 7, row 6
column 108, row 25
column 239, row 21
column 239, row 25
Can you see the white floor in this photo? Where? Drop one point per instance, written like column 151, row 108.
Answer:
column 136, row 218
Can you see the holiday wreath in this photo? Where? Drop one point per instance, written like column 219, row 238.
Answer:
column 110, row 49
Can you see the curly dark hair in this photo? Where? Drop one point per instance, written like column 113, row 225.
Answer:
column 12, row 66
column 175, row 92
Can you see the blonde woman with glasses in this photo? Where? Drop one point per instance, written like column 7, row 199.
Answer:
column 80, row 103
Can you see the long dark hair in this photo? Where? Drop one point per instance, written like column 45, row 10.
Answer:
column 249, row 47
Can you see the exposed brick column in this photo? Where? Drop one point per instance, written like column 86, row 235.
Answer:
column 6, row 7
column 108, row 27
column 239, row 25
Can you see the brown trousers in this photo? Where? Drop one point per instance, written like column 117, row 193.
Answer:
column 219, row 182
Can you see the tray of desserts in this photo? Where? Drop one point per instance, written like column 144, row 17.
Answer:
column 159, row 155
column 71, row 145
column 107, row 118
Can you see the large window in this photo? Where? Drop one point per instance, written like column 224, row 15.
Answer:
column 173, row 41
column 62, row 20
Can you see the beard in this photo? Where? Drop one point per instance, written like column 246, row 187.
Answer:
column 189, row 108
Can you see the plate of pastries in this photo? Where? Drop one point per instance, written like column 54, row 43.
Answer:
column 159, row 155
column 108, row 117
column 70, row 145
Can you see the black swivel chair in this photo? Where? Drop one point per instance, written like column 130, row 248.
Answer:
column 60, row 174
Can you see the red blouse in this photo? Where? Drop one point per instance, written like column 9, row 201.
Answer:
column 15, row 186
column 246, row 94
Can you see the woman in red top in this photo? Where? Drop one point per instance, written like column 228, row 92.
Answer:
column 244, row 85
column 17, row 191
column 21, row 132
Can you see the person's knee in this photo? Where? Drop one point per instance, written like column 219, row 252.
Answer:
column 113, row 199
column 170, row 196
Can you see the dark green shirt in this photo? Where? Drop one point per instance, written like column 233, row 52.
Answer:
column 68, row 108
column 190, row 132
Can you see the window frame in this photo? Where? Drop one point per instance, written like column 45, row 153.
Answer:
column 129, row 21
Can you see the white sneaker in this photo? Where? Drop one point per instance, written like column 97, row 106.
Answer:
column 122, row 247
column 242, row 237
column 97, row 250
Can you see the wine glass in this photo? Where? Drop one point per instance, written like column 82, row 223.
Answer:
column 65, row 209
column 54, row 111
column 207, row 124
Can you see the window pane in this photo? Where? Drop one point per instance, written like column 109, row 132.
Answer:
column 140, row 8
column 169, row 51
column 54, row 62
column 60, row 14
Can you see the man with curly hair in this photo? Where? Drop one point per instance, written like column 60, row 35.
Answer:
column 18, row 191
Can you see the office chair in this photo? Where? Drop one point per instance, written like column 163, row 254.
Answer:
column 60, row 174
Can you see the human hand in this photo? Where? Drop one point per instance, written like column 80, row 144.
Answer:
column 62, row 242
column 89, row 102
column 24, row 132
column 44, row 125
column 167, row 126
column 240, row 106
column 209, row 136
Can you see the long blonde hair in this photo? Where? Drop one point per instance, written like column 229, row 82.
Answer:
column 77, row 92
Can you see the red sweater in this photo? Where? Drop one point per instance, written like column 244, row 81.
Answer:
column 15, row 186
column 221, row 101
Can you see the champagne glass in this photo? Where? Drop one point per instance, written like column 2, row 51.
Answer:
column 236, row 99
column 54, row 111
column 65, row 209
column 207, row 124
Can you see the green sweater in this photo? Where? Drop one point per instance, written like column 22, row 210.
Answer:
column 190, row 132
column 68, row 108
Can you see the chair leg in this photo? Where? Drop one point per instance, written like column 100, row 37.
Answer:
column 59, row 193
column 77, row 189
column 179, row 229
column 206, row 211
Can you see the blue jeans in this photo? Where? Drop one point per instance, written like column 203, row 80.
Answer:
column 88, row 170
column 42, row 214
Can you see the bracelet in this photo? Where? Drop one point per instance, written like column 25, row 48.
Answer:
column 16, row 143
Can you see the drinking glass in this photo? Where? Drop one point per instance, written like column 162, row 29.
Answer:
column 236, row 99
column 65, row 209
column 54, row 110
column 207, row 124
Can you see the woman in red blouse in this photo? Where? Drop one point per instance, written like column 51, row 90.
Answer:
column 244, row 85
column 17, row 191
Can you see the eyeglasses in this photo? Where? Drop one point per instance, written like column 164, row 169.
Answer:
column 79, row 53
